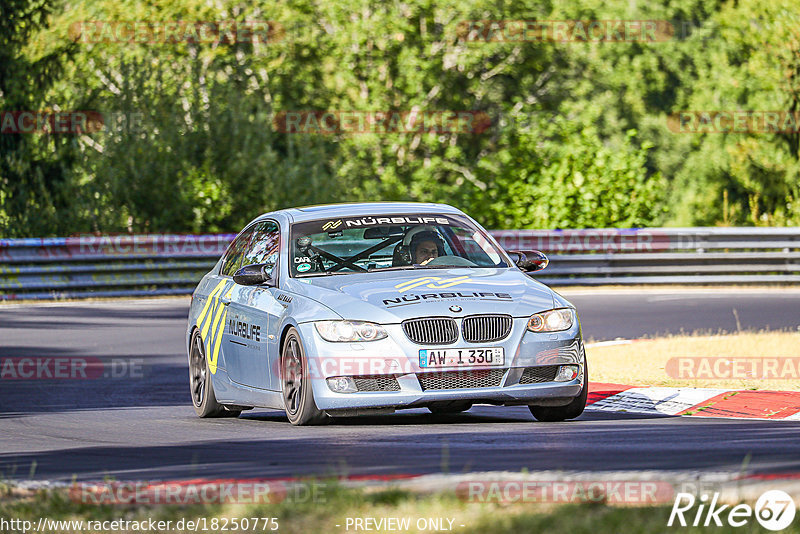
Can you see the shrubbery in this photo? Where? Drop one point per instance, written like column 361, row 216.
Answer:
column 579, row 134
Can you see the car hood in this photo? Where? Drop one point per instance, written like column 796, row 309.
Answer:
column 393, row 296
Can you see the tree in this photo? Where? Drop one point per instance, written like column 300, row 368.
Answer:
column 36, row 187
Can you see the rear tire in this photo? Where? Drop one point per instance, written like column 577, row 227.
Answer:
column 550, row 414
column 298, row 395
column 201, row 385
column 450, row 407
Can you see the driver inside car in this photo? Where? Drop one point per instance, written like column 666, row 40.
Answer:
column 425, row 247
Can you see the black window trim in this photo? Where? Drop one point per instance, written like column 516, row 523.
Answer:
column 249, row 239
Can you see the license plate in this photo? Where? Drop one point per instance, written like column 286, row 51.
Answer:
column 491, row 356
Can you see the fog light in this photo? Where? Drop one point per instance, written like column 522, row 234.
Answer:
column 342, row 384
column 567, row 373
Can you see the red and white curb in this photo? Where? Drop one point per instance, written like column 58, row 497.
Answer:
column 703, row 402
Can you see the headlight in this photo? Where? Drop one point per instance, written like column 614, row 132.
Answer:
column 349, row 331
column 552, row 321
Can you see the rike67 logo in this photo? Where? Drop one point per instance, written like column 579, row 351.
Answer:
column 774, row 510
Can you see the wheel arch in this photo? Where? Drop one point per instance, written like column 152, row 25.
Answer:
column 189, row 336
column 284, row 332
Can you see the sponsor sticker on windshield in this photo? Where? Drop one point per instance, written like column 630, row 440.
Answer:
column 363, row 222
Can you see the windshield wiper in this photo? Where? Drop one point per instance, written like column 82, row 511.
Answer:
column 312, row 275
column 418, row 266
column 392, row 268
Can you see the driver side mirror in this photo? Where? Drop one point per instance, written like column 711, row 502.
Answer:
column 529, row 260
column 254, row 275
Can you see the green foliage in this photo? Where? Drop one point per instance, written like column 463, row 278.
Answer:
column 34, row 171
column 575, row 181
column 750, row 60
column 579, row 134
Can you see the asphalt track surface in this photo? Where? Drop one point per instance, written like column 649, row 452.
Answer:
column 142, row 427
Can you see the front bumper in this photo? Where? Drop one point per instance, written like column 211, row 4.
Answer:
column 396, row 356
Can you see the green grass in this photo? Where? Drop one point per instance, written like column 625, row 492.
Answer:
column 336, row 503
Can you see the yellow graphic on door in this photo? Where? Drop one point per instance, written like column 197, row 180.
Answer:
column 211, row 323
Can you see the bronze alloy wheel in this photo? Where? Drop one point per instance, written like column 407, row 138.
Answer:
column 298, row 395
column 292, row 377
column 200, row 385
column 197, row 371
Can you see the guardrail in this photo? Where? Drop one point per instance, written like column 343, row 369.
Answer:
column 109, row 266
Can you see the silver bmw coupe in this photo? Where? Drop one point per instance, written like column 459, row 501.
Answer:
column 348, row 309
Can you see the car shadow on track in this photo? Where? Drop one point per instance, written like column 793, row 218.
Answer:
column 477, row 415
column 397, row 419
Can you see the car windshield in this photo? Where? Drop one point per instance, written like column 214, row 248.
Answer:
column 389, row 242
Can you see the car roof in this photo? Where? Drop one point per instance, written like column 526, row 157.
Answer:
column 356, row 209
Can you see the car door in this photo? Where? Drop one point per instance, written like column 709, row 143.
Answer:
column 212, row 322
column 251, row 310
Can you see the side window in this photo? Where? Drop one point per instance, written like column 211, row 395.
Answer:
column 233, row 259
column 265, row 246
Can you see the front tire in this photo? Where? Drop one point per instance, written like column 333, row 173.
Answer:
column 298, row 395
column 201, row 386
column 572, row 410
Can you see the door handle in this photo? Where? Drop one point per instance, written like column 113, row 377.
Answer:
column 225, row 297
